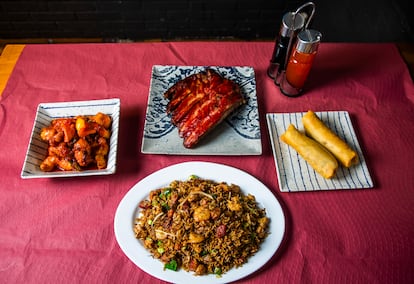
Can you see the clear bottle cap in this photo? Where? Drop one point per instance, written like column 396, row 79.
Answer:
column 308, row 41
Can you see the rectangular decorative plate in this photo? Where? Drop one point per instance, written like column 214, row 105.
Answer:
column 295, row 174
column 46, row 112
column 238, row 134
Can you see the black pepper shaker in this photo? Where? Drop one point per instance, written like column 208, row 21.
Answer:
column 292, row 24
column 288, row 29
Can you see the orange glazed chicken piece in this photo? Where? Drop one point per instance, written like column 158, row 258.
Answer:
column 77, row 143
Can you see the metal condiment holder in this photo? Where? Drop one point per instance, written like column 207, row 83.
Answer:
column 275, row 71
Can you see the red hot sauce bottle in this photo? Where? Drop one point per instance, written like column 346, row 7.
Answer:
column 300, row 62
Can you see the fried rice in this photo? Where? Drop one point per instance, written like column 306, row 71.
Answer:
column 202, row 226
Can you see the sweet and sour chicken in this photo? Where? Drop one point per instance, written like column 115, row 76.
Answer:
column 77, row 143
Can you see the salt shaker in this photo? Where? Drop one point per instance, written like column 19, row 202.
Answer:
column 300, row 62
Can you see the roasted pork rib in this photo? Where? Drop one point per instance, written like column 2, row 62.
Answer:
column 200, row 102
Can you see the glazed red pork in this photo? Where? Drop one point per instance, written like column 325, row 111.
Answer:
column 200, row 102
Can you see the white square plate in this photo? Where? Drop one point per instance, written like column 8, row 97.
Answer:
column 295, row 174
column 238, row 134
column 46, row 112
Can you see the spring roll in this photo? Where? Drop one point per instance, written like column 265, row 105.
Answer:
column 315, row 154
column 317, row 130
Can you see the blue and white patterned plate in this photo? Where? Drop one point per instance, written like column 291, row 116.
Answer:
column 238, row 134
column 46, row 112
column 295, row 174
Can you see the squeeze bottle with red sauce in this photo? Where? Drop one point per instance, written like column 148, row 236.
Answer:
column 300, row 62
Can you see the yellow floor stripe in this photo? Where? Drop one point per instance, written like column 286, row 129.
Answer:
column 8, row 59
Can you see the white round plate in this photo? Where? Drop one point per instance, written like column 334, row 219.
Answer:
column 128, row 209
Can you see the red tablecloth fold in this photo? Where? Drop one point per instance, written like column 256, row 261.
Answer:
column 61, row 230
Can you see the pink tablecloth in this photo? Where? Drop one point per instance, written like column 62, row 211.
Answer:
column 61, row 230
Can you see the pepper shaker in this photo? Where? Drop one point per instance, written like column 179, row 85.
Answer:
column 291, row 24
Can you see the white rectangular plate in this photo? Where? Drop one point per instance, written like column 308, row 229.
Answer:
column 46, row 112
column 238, row 134
column 295, row 174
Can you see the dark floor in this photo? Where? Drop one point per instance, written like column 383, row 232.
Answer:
column 365, row 20
column 407, row 52
column 138, row 20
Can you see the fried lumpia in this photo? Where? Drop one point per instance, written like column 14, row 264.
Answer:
column 315, row 154
column 317, row 130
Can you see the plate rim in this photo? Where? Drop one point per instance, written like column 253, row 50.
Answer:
column 127, row 208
